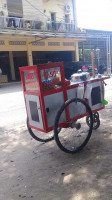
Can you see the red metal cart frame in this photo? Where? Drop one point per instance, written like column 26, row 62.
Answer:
column 32, row 84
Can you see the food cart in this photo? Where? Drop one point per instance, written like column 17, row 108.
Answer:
column 53, row 103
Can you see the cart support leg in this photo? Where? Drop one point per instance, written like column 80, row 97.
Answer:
column 76, row 52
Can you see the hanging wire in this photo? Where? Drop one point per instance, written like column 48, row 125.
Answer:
column 36, row 8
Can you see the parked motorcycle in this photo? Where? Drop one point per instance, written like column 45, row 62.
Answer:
column 102, row 69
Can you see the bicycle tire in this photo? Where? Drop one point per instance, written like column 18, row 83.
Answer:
column 56, row 135
column 96, row 121
column 44, row 139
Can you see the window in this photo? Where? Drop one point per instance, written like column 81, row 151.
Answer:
column 53, row 17
column 51, row 78
column 15, row 8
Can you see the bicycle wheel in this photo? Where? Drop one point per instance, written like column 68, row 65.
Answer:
column 76, row 135
column 96, row 114
column 40, row 136
column 96, row 121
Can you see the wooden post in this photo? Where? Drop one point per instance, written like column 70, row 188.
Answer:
column 12, row 68
column 92, row 60
column 29, row 57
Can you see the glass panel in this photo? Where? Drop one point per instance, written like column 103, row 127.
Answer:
column 34, row 111
column 30, row 81
column 51, row 78
column 96, row 95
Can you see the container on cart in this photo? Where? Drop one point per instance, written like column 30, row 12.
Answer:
column 46, row 91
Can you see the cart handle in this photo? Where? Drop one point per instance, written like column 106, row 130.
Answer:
column 104, row 83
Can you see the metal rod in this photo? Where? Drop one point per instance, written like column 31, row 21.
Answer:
column 92, row 60
column 108, row 56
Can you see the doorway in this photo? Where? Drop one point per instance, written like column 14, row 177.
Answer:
column 53, row 20
column 20, row 60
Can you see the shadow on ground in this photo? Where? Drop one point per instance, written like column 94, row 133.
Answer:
column 33, row 170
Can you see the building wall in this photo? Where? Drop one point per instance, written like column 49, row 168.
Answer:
column 19, row 43
column 33, row 9
column 58, row 7
column 3, row 7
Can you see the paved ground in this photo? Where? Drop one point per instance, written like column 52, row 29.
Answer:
column 33, row 170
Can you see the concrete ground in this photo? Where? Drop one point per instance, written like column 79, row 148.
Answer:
column 33, row 170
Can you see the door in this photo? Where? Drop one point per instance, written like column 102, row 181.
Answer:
column 53, row 20
column 34, row 111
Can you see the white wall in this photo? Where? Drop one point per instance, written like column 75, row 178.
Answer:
column 33, row 10
column 57, row 6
